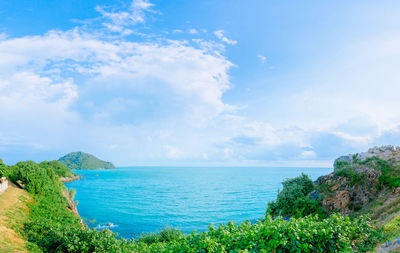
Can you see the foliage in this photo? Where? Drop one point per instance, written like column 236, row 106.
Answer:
column 60, row 169
column 35, row 178
column 4, row 170
column 49, row 206
column 340, row 164
column 84, row 161
column 56, row 237
column 168, row 234
column 53, row 228
column 308, row 234
column 392, row 227
column 294, row 200
column 390, row 173
column 350, row 173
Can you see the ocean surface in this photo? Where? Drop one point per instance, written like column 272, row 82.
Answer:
column 133, row 200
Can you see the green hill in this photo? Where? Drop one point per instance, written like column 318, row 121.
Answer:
column 84, row 161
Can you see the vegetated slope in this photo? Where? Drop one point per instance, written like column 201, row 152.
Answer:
column 365, row 183
column 13, row 214
column 84, row 161
column 52, row 227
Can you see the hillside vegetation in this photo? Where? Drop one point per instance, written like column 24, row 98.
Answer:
column 84, row 161
column 364, row 183
column 298, row 221
column 13, row 213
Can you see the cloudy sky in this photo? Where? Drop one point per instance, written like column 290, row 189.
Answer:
column 201, row 82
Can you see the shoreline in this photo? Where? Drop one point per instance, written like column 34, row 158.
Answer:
column 70, row 179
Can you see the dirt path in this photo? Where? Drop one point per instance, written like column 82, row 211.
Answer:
column 13, row 212
column 390, row 246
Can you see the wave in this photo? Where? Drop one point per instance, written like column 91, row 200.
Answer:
column 106, row 226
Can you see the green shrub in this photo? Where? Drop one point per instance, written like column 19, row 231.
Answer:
column 168, row 234
column 294, row 200
column 390, row 174
column 4, row 170
column 35, row 178
column 340, row 164
column 60, row 169
column 308, row 234
column 149, row 238
column 350, row 173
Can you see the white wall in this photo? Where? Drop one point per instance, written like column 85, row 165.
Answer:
column 4, row 186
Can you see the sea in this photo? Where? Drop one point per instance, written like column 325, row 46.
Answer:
column 135, row 200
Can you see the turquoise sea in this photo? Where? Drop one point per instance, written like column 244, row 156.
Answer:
column 134, row 200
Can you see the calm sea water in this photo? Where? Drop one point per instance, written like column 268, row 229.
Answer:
column 146, row 199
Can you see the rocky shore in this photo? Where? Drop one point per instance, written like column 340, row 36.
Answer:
column 70, row 179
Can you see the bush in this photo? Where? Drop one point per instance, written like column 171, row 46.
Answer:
column 390, row 174
column 4, row 170
column 35, row 178
column 309, row 234
column 350, row 173
column 168, row 234
column 294, row 200
column 60, row 169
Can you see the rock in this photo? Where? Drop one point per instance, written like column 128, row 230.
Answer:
column 354, row 183
column 70, row 179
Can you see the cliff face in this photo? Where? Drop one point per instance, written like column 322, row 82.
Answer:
column 363, row 183
column 71, row 203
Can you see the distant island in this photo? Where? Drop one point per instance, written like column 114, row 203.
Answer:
column 84, row 161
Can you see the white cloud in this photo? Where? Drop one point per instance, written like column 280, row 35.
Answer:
column 91, row 93
column 34, row 109
column 349, row 105
column 189, row 73
column 141, row 4
column 220, row 35
column 163, row 99
column 118, row 21
column 173, row 152
column 3, row 36
column 262, row 58
column 308, row 154
column 193, row 31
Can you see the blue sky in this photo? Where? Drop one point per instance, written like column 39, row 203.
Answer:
column 266, row 83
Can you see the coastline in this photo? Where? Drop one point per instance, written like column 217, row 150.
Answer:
column 70, row 179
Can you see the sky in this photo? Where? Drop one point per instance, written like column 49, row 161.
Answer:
column 198, row 82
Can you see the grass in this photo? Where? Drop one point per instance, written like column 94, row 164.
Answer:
column 387, row 209
column 390, row 176
column 168, row 234
column 390, row 173
column 393, row 226
column 13, row 215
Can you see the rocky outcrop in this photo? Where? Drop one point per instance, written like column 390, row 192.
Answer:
column 342, row 195
column 70, row 179
column 357, row 179
column 69, row 195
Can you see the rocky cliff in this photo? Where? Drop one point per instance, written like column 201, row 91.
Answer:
column 367, row 182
